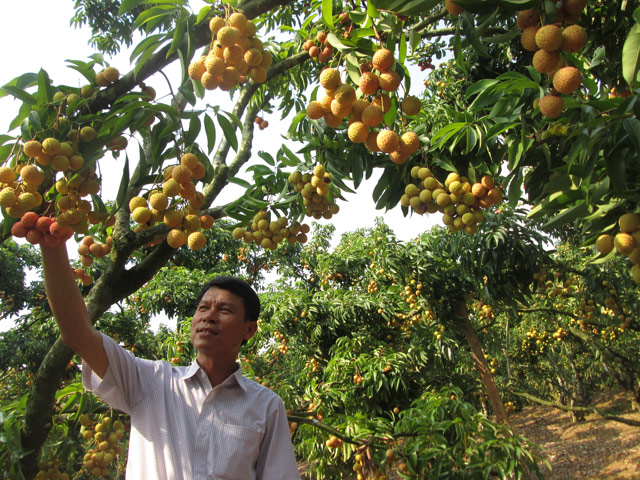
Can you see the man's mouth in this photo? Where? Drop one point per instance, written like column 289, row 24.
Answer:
column 207, row 331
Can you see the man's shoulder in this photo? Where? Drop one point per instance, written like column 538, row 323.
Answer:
column 258, row 389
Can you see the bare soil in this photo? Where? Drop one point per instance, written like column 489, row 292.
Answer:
column 593, row 449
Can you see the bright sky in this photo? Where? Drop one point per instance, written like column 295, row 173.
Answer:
column 36, row 34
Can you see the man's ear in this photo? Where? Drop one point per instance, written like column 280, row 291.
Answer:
column 252, row 328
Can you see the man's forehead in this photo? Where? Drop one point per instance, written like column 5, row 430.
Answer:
column 217, row 294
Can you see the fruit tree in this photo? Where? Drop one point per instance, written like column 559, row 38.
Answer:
column 526, row 102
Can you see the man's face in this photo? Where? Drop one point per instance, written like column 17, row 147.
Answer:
column 218, row 326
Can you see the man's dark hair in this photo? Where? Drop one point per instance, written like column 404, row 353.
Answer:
column 238, row 287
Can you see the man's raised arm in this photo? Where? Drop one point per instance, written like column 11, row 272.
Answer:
column 70, row 311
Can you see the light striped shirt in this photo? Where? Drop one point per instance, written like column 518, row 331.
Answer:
column 183, row 429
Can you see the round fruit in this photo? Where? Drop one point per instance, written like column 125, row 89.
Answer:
column 624, row 243
column 330, row 78
column 215, row 24
column 528, row 38
column 399, row 156
column 372, row 142
column 196, row 240
column 549, row 37
column 87, row 134
column 604, row 244
column 382, row 101
column 628, row 222
column 51, row 146
column 389, row 80
column 238, row 20
column 7, row 175
column 315, row 110
column 574, row 38
column 411, row 105
column 331, row 120
column 409, row 142
column 567, row 80
column 258, row 74
column 527, row 18
column 551, row 106
column 372, row 116
column 357, row 132
column 383, row 60
column 181, row 174
column 388, row 141
column 544, row 61
column 141, row 215
column 176, row 238
column 228, row 36
column 453, row 8
column 345, row 94
column 111, row 74
column 369, row 83
column 32, row 148
column 574, row 6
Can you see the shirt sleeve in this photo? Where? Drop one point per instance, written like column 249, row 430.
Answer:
column 277, row 460
column 125, row 381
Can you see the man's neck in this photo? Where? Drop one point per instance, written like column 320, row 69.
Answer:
column 217, row 371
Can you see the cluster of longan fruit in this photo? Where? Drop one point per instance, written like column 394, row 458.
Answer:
column 314, row 189
column 319, row 48
column 88, row 249
column 162, row 206
column 51, row 471
column 269, row 233
column 105, row 434
column 235, row 55
column 626, row 242
column 549, row 41
column 107, row 76
column 366, row 114
column 459, row 201
column 38, row 229
column 261, row 122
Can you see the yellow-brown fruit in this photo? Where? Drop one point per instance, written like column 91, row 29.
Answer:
column 197, row 68
column 232, row 55
column 250, row 29
column 551, row 106
column 549, row 37
column 357, row 132
column 209, row 81
column 51, row 146
column 60, row 163
column 238, row 20
column 544, row 61
column 372, row 116
column 399, row 156
column 228, row 36
column 528, row 38
column 358, row 106
column 159, row 201
column 340, row 110
column 604, row 244
column 238, row 233
column 409, row 143
column 253, row 57
column 136, row 202
column 527, row 18
column 574, row 38
column 487, row 182
column 315, row 110
column 574, row 6
column 32, row 148
column 453, row 8
column 635, row 274
column 345, row 94
column 88, row 134
column 331, row 120
column 181, row 174
column 230, row 77
column 172, row 218
column 389, row 80
column 634, row 256
column 411, row 105
column 628, row 223
column 383, row 60
column 196, row 240
column 267, row 59
column 330, row 78
column 624, row 243
column 214, row 65
column 388, row 141
column 369, row 83
column 567, row 80
column 111, row 74
column 171, row 188
column 8, row 175
column 215, row 24
column 189, row 160
column 258, row 74
column 8, row 197
column 371, row 143
column 141, row 215
column 176, row 238
column 89, row 187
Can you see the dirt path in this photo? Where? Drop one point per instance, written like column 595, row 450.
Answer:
column 595, row 449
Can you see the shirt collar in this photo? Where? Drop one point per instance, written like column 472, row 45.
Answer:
column 236, row 377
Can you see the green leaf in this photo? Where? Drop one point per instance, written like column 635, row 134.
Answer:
column 34, row 120
column 567, row 215
column 327, row 12
column 402, row 49
column 210, row 130
column 558, row 184
column 372, row 11
column 20, row 94
column 631, row 56
column 128, row 5
column 632, row 127
column 229, row 131
column 21, row 82
column 194, row 130
column 472, row 35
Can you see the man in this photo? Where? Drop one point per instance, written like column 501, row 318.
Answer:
column 205, row 421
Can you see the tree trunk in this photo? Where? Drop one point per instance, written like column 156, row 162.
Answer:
column 481, row 365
